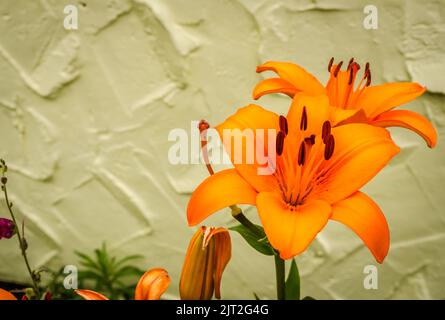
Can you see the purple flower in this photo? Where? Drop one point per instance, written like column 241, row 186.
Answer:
column 7, row 228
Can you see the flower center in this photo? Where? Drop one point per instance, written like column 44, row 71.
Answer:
column 299, row 158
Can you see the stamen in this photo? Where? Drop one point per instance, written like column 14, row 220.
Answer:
column 310, row 140
column 366, row 67
column 325, row 131
column 303, row 122
column 280, row 142
column 329, row 147
column 351, row 74
column 330, row 64
column 301, row 154
column 283, row 124
column 337, row 69
column 368, row 78
column 350, row 63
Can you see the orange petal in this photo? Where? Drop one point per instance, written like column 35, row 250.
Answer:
column 364, row 217
column 290, row 232
column 218, row 191
column 296, row 75
column 410, row 120
column 360, row 152
column 378, row 99
column 317, row 112
column 90, row 295
column 152, row 284
column 344, row 116
column 6, row 295
column 245, row 136
column 273, row 85
column 223, row 253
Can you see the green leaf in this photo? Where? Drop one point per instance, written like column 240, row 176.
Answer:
column 308, row 298
column 127, row 259
column 260, row 244
column 86, row 261
column 293, row 283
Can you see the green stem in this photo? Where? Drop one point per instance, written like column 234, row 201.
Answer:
column 21, row 242
column 280, row 275
column 279, row 263
column 238, row 215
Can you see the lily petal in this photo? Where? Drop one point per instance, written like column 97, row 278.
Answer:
column 245, row 136
column 296, row 75
column 361, row 151
column 90, row 295
column 317, row 112
column 152, row 284
column 6, row 295
column 291, row 232
column 360, row 213
column 274, row 85
column 218, row 191
column 375, row 100
column 410, row 120
column 223, row 253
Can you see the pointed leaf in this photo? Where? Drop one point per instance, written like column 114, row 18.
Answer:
column 293, row 282
column 260, row 244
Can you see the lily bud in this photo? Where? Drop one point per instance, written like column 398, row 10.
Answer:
column 208, row 253
column 7, row 228
column 152, row 284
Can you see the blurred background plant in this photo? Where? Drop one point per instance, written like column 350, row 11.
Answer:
column 115, row 277
column 102, row 272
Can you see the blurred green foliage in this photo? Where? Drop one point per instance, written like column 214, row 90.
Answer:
column 113, row 277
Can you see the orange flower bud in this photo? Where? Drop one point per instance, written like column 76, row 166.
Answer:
column 152, row 285
column 208, row 253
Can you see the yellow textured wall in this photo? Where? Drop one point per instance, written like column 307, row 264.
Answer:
column 85, row 115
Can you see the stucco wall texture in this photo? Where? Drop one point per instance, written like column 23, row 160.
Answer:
column 85, row 115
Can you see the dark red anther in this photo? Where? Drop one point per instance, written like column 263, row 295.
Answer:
column 330, row 64
column 329, row 147
column 280, row 142
column 303, row 121
column 350, row 63
column 368, row 78
column 366, row 67
column 337, row 69
column 325, row 131
column 283, row 124
column 301, row 154
column 310, row 140
column 351, row 75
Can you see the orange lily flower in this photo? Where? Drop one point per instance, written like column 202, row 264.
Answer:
column 208, row 253
column 151, row 286
column 376, row 102
column 317, row 174
column 6, row 295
